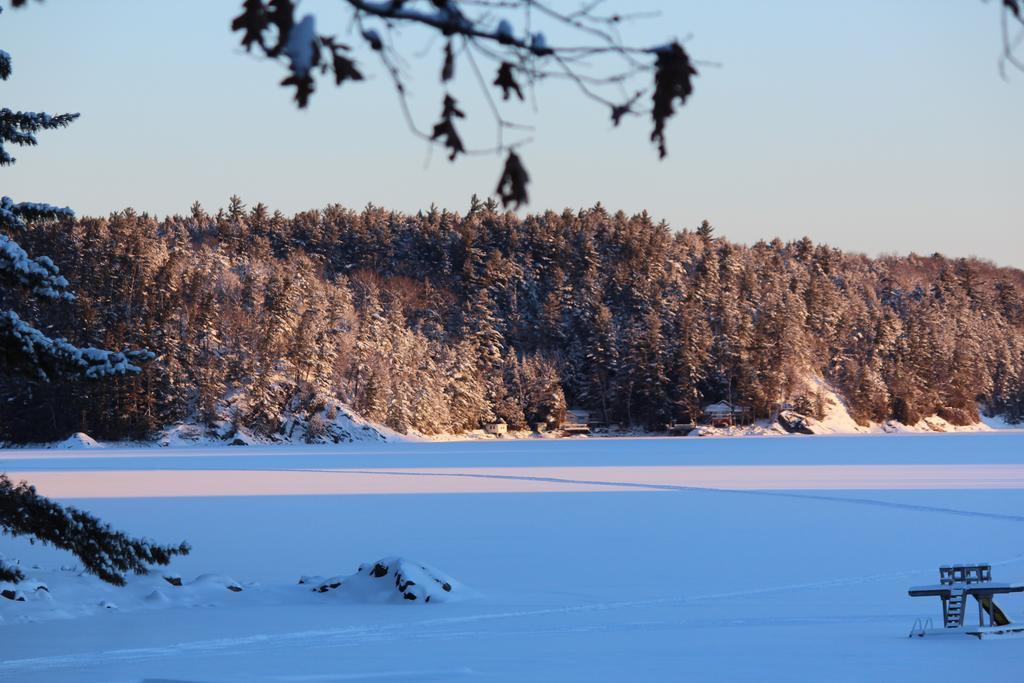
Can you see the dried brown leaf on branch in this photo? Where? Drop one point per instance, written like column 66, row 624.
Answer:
column 513, row 182
column 506, row 80
column 673, row 74
column 444, row 129
column 513, row 39
column 280, row 13
column 304, row 86
column 448, row 69
column 344, row 68
column 253, row 22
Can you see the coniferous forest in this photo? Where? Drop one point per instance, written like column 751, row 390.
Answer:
column 440, row 322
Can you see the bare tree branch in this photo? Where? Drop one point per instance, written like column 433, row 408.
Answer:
column 591, row 56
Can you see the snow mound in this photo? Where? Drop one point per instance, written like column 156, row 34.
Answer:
column 210, row 581
column 394, row 580
column 999, row 422
column 836, row 418
column 934, row 423
column 69, row 593
column 795, row 423
column 759, row 428
column 334, row 423
column 181, row 435
column 78, row 441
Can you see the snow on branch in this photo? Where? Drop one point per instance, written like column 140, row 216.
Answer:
column 103, row 551
column 13, row 215
column 25, row 350
column 38, row 274
column 19, row 127
column 28, row 351
column 34, row 121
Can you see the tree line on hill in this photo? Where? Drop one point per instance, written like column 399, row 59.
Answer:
column 442, row 322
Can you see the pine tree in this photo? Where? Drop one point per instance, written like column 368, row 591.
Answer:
column 466, row 388
column 544, row 401
column 705, row 231
column 691, row 360
column 1009, row 302
column 601, row 360
column 104, row 552
column 204, row 357
column 24, row 350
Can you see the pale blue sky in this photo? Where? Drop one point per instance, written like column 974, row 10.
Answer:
column 875, row 126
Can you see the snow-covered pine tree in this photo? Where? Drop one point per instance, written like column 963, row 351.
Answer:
column 107, row 553
column 602, row 358
column 24, row 350
column 466, row 388
column 204, row 353
column 545, row 402
column 690, row 360
column 705, row 231
column 899, row 338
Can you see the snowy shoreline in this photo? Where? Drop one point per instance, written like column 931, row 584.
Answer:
column 345, row 426
column 173, row 439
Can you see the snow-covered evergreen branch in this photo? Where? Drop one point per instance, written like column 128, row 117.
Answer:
column 38, row 274
column 107, row 553
column 20, row 127
column 28, row 351
column 23, row 348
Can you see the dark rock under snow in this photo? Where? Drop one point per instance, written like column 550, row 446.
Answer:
column 795, row 423
column 392, row 579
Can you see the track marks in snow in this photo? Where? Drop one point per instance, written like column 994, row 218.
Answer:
column 453, row 628
column 632, row 485
column 407, row 674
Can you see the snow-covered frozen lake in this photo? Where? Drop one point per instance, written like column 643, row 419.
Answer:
column 635, row 559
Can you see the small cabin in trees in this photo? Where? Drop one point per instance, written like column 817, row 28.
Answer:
column 577, row 416
column 499, row 428
column 577, row 421
column 726, row 414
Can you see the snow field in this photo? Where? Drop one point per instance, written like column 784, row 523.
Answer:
column 654, row 584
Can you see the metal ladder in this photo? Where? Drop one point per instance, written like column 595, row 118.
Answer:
column 954, row 612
